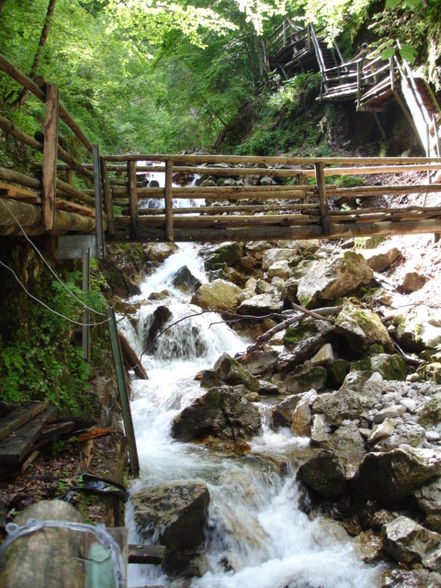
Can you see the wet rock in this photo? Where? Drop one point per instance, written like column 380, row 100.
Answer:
column 382, row 258
column 305, row 338
column 279, row 269
column 260, row 305
column 357, row 394
column 268, row 388
column 429, row 500
column 302, row 378
column 222, row 412
column 392, row 476
column 362, row 328
column 158, row 252
column 368, row 546
column 328, row 280
column 324, row 474
column 233, row 373
column 185, row 281
column 153, row 326
column 219, row 295
column 176, row 514
column 261, row 363
column 412, row 282
column 163, row 295
column 405, row 433
column 320, row 432
column 272, row 256
column 420, row 578
column 418, row 328
column 281, row 415
column 302, row 416
column 407, row 541
column 225, row 254
column 391, row 367
column 346, row 443
column 430, row 413
column 381, row 431
column 324, row 356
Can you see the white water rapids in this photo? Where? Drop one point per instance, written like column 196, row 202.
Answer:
column 254, row 521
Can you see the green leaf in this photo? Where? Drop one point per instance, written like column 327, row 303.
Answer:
column 408, row 52
column 388, row 52
column 390, row 4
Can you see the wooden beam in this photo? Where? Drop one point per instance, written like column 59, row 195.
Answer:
column 100, row 245
column 10, row 175
column 19, row 416
column 168, row 196
column 133, row 197
column 146, row 554
column 324, row 206
column 108, row 204
column 50, row 150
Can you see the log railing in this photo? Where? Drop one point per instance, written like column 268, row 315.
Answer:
column 263, row 197
column 54, row 187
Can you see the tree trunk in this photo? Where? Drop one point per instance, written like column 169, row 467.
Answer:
column 39, row 52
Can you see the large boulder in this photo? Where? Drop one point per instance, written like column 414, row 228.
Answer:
column 359, row 393
column 418, row 328
column 324, row 474
column 361, row 328
column 430, row 413
column 391, row 367
column 392, row 476
column 185, row 281
column 153, row 325
column 158, row 252
column 281, row 414
column 231, row 372
column 381, row 258
column 222, row 412
column 261, row 304
column 327, row 280
column 302, row 378
column 219, row 295
column 219, row 255
column 175, row 514
column 261, row 363
column 407, row 541
column 302, row 416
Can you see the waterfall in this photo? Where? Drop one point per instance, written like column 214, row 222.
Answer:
column 256, row 537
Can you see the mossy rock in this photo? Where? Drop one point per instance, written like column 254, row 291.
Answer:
column 430, row 371
column 305, row 377
column 298, row 333
column 361, row 328
column 227, row 254
column 337, row 371
column 391, row 367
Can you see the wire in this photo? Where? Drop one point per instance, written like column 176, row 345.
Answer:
column 48, row 307
column 47, row 264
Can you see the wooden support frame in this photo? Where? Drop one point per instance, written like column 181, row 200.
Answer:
column 123, row 391
column 50, row 153
column 85, row 329
column 324, row 205
column 100, row 243
column 108, row 205
column 133, row 197
column 168, row 196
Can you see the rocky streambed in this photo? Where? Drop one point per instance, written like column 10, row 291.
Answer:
column 334, row 418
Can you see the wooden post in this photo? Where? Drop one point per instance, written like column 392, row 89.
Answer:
column 101, row 252
column 324, row 206
column 86, row 313
column 108, row 199
column 169, row 230
column 391, row 74
column 50, row 152
column 358, row 84
column 133, row 198
column 123, row 392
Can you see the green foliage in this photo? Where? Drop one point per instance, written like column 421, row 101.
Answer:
column 42, row 356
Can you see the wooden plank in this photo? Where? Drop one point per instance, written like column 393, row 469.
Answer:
column 133, row 197
column 21, row 415
column 123, row 392
column 10, row 175
column 18, row 192
column 168, row 197
column 99, row 227
column 108, row 204
column 50, row 150
column 324, row 206
column 146, row 554
column 17, row 445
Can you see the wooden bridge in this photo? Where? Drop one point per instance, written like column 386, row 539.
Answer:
column 368, row 80
column 221, row 197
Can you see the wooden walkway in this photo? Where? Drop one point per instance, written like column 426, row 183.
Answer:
column 221, row 197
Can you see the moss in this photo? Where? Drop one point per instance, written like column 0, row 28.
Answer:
column 337, row 372
column 391, row 367
column 297, row 333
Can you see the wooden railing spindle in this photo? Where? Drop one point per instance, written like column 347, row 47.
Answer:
column 324, row 205
column 50, row 151
column 168, row 197
column 133, row 197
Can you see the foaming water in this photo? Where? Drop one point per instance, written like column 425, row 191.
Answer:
column 256, row 535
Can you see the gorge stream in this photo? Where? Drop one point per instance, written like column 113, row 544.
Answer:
column 254, row 521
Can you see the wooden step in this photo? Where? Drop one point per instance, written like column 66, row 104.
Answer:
column 19, row 416
column 15, row 447
column 146, row 554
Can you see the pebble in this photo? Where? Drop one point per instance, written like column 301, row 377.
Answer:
column 409, row 403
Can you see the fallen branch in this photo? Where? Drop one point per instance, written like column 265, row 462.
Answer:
column 319, row 314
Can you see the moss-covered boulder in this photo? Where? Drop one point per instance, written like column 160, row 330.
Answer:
column 391, row 367
column 230, row 371
column 362, row 328
column 327, row 280
column 302, row 378
column 337, row 371
column 218, row 256
column 219, row 295
column 430, row 371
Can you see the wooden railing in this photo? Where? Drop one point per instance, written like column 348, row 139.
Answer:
column 59, row 190
column 293, row 201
